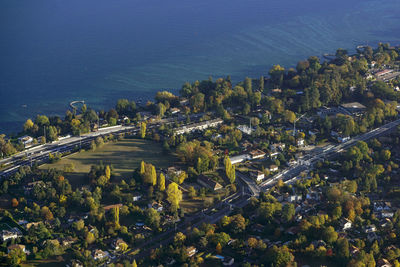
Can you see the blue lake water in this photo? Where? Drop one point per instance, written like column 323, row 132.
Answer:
column 56, row 51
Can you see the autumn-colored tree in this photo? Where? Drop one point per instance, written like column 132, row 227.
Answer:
column 142, row 167
column 14, row 203
column 174, row 196
column 90, row 238
column 46, row 213
column 134, row 263
column 218, row 248
column 153, row 175
column 161, row 182
column 143, row 129
column 108, row 172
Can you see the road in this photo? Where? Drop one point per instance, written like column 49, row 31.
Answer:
column 40, row 154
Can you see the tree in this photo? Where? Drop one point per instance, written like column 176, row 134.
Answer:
column 161, row 109
column 16, row 256
column 47, row 214
column 134, row 263
column 276, row 73
column 329, row 234
column 289, row 116
column 229, row 169
column 152, row 218
column 142, row 168
column 28, row 125
column 108, row 172
column 342, row 246
column 288, row 212
column 174, row 196
column 279, row 256
column 90, row 238
column 161, row 182
column 179, row 239
column 115, row 213
column 192, row 192
column 237, row 223
column 14, row 203
column 143, row 130
column 153, row 175
column 218, row 248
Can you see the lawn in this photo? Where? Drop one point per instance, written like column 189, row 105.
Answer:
column 124, row 155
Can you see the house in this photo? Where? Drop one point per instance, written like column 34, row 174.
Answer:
column 136, row 197
column 26, row 140
column 16, row 246
column 245, row 129
column 340, row 137
column 175, row 110
column 191, row 251
column 354, row 251
column 197, row 126
column 383, row 263
column 276, row 90
column 240, row 158
column 258, row 175
column 68, row 241
column 294, row 198
column 184, row 102
column 300, row 142
column 208, row 182
column 276, row 147
column 353, row 109
column 273, row 155
column 257, row 154
column 370, row 229
column 155, row 205
column 99, row 254
column 372, row 236
column 345, row 224
column 109, row 207
column 119, row 244
column 34, row 224
column 12, row 234
column 228, row 261
column 273, row 168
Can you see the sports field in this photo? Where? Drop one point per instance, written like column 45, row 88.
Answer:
column 124, row 155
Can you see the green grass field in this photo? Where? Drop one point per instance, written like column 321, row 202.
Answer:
column 124, row 155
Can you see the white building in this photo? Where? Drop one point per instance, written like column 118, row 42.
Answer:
column 240, row 158
column 197, row 126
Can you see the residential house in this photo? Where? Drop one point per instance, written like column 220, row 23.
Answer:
column 228, row 261
column 245, row 129
column 383, row 263
column 345, row 224
column 294, row 198
column 109, row 207
column 99, row 254
column 208, row 182
column 257, row 154
column 156, row 205
column 119, row 244
column 300, row 142
column 136, row 197
column 276, row 147
column 175, row 110
column 191, row 251
column 258, row 175
column 26, row 140
column 370, row 229
column 12, row 234
column 273, row 168
column 352, row 109
column 240, row 158
column 197, row 126
column 16, row 246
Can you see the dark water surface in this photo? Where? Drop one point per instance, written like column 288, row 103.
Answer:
column 56, row 51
